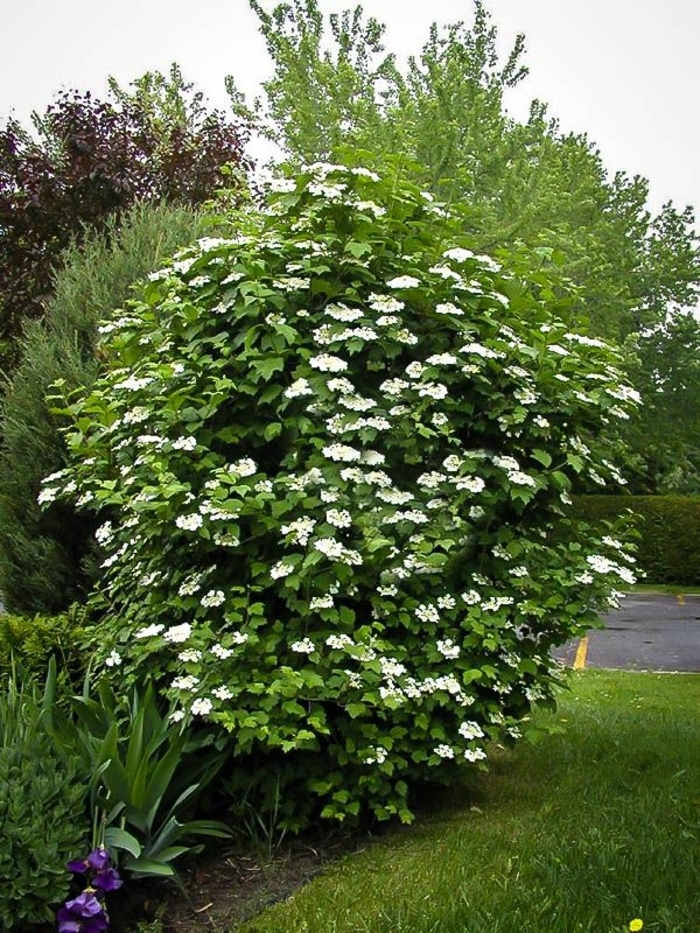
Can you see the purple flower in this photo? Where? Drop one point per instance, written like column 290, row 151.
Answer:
column 98, row 859
column 67, row 922
column 107, row 880
column 85, row 905
column 84, row 914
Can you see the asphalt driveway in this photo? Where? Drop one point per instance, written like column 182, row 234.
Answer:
column 647, row 633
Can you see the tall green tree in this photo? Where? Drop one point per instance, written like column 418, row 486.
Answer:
column 526, row 187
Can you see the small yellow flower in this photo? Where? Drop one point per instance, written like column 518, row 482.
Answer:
column 636, row 925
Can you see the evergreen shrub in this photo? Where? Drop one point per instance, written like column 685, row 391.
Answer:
column 31, row 642
column 668, row 546
column 332, row 452
column 43, row 820
column 45, row 560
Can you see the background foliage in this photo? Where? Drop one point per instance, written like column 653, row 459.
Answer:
column 668, row 548
column 45, row 557
column 89, row 159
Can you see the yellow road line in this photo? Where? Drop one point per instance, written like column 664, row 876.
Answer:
column 581, row 652
column 681, row 600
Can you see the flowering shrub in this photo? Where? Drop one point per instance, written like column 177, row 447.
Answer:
column 335, row 451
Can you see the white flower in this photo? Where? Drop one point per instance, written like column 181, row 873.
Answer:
column 301, row 529
column 222, row 693
column 448, row 649
column 326, row 363
column 470, row 483
column 136, row 415
column 479, row 350
column 341, row 518
column 220, row 652
column 474, row 754
column 341, row 453
column 190, row 655
column 449, row 308
column 519, row 478
column 201, row 706
column 114, row 659
column 339, row 642
column 343, row 313
column 185, row 443
column 305, row 646
column 329, row 547
column 281, row 570
column 178, row 633
column 149, row 632
column 213, row 598
column 189, row 522
column 444, row 751
column 189, row 682
column 385, row 304
column 445, row 272
column 46, row 495
column 190, row 587
column 427, row 613
column 298, row 388
column 415, row 370
column 282, row 185
column 177, row 715
column 356, row 402
column 132, row 384
column 403, row 281
column 393, row 386
column 471, row 730
column 442, row 359
column 379, row 757
column 471, row 598
column 458, row 253
column 321, row 602
column 391, row 667
column 434, row 390
column 243, row 467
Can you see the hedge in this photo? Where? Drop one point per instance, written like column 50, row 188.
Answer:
column 669, row 532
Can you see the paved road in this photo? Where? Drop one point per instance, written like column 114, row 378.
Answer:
column 647, row 633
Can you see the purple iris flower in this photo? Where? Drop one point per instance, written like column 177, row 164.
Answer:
column 85, row 905
column 84, row 914
column 107, row 880
column 98, row 859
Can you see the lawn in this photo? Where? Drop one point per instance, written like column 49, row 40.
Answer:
column 588, row 829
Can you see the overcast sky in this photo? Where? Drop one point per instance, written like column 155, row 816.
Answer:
column 623, row 71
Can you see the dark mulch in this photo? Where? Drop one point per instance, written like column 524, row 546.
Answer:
column 225, row 889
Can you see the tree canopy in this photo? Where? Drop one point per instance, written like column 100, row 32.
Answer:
column 86, row 159
column 526, row 188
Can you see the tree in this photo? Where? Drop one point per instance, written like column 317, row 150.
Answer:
column 527, row 188
column 90, row 159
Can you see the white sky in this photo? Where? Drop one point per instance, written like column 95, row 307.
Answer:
column 623, row 71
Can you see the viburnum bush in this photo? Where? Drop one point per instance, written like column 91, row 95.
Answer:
column 336, row 452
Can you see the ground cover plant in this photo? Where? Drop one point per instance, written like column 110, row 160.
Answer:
column 587, row 831
column 336, row 449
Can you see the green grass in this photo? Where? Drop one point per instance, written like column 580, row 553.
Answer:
column 580, row 833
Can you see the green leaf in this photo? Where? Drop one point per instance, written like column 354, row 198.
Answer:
column 117, row 838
